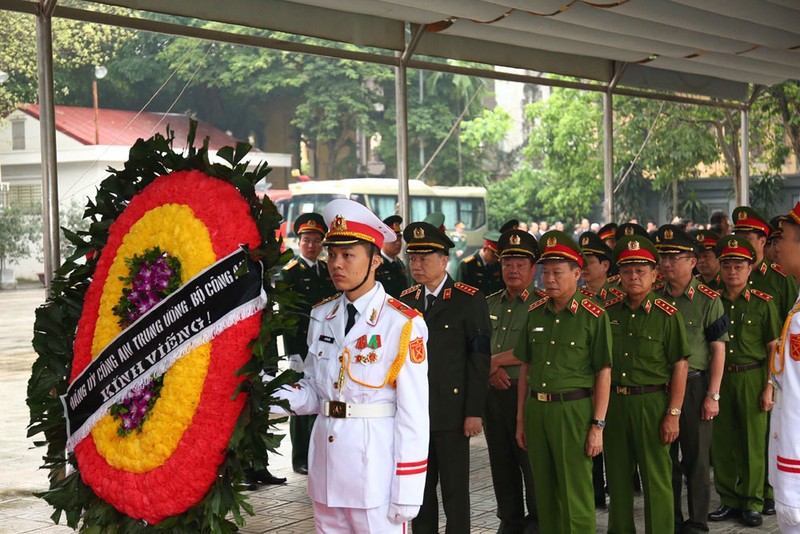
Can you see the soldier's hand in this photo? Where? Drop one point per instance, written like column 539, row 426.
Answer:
column 766, row 401
column 472, row 426
column 669, row 429
column 710, row 409
column 594, row 441
column 499, row 379
column 521, row 441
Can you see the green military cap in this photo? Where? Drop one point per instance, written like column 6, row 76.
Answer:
column 776, row 223
column 558, row 246
column 424, row 238
column 310, row 222
column 672, row 240
column 518, row 243
column 635, row 249
column 511, row 224
column 395, row 222
column 607, row 231
column 746, row 219
column 490, row 240
column 628, row 229
column 592, row 245
column 732, row 247
column 436, row 219
column 707, row 238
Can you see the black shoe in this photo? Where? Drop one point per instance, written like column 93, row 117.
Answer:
column 301, row 470
column 752, row 518
column 722, row 513
column 263, row 477
column 769, row 507
column 510, row 527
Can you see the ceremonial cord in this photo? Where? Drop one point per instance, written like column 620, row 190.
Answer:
column 394, row 370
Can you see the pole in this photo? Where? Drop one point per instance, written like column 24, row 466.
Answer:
column 96, row 113
column 401, row 120
column 47, row 133
column 608, row 157
column 744, row 188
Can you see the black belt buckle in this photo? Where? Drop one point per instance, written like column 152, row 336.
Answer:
column 337, row 409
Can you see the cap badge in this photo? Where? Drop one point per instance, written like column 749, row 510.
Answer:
column 311, row 223
column 585, row 241
column 742, row 216
column 514, row 240
column 667, row 234
column 701, row 237
column 629, row 230
column 339, row 223
column 733, row 243
column 552, row 241
column 396, row 227
column 780, row 223
column 633, row 245
column 419, row 233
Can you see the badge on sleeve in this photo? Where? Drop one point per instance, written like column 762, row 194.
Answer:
column 416, row 350
column 794, row 347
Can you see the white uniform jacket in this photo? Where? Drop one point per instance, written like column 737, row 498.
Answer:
column 365, row 462
column 784, row 439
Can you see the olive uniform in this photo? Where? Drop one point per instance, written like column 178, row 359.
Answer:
column 474, row 271
column 708, row 238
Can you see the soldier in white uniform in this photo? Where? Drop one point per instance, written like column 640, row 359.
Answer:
column 366, row 375
column 784, row 439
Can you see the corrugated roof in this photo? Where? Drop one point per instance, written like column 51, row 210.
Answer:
column 122, row 128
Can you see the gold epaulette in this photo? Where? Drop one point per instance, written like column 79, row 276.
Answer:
column 777, row 269
column 668, row 308
column 613, row 301
column 707, row 291
column 537, row 304
column 761, row 294
column 402, row 308
column 332, row 297
column 410, row 290
column 469, row 259
column 466, row 288
column 290, row 265
column 592, row 308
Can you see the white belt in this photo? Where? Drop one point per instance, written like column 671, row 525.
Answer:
column 341, row 410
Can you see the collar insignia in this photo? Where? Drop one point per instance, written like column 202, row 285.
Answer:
column 524, row 295
column 446, row 294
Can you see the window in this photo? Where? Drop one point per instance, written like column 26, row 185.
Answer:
column 25, row 197
column 18, row 135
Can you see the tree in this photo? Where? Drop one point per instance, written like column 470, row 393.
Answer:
column 482, row 137
column 514, row 197
column 781, row 101
column 19, row 231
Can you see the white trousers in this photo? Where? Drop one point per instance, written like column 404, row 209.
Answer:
column 330, row 520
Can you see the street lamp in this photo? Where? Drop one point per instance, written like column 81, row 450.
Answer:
column 99, row 73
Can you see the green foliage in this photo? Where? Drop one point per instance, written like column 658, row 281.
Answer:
column 631, row 196
column 19, row 232
column 766, row 192
column 693, row 209
column 54, row 330
column 514, row 197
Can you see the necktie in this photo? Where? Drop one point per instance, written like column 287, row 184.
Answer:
column 351, row 318
column 431, row 299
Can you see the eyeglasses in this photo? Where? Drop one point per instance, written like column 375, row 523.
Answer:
column 670, row 258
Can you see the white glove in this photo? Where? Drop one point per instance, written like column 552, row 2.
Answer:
column 401, row 513
column 296, row 363
column 787, row 515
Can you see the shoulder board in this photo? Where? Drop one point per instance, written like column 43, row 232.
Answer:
column 586, row 293
column 592, row 308
column 537, row 304
column 332, row 297
column 665, row 306
column 466, row 288
column 410, row 290
column 761, row 294
column 777, row 269
column 541, row 292
column 469, row 259
column 290, row 265
column 612, row 279
column 617, row 292
column 611, row 302
column 495, row 293
column 707, row 291
column 402, row 308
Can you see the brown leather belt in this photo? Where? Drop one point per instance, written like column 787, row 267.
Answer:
column 638, row 390
column 733, row 368
column 559, row 397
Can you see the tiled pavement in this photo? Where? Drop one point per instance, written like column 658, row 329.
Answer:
column 282, row 509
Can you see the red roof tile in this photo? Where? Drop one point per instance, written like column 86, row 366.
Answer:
column 123, row 128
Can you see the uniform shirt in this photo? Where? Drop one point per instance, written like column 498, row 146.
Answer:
column 648, row 341
column 704, row 320
column 365, row 462
column 393, row 275
column 311, row 287
column 565, row 350
column 754, row 323
column 715, row 283
column 508, row 319
column 772, row 281
column 475, row 272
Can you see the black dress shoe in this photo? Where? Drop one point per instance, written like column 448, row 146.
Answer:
column 752, row 518
column 722, row 513
column 769, row 507
column 301, row 470
column 262, row 477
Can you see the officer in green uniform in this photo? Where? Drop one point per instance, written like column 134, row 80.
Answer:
column 650, row 352
column 771, row 248
column 392, row 273
column 608, row 234
column 738, row 447
column 482, row 269
column 706, row 332
column 508, row 312
column 309, row 278
column 459, row 251
column 458, row 373
column 563, row 389
column 707, row 262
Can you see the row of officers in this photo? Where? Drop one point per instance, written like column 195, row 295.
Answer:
column 630, row 357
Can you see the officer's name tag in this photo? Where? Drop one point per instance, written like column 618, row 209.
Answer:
column 539, row 329
column 326, row 339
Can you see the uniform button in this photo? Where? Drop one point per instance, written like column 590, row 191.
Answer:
column 330, row 439
column 544, row 384
column 731, row 351
column 552, row 342
column 749, row 321
column 624, row 374
column 633, row 315
column 455, row 390
column 498, row 345
column 625, row 354
column 509, row 310
column 548, row 363
column 447, row 326
column 571, row 343
column 558, row 321
column 733, row 322
column 504, row 328
column 630, row 333
column 336, row 385
column 731, row 336
column 319, row 353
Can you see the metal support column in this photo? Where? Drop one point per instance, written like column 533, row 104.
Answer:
column 47, row 132
column 608, row 157
column 744, row 187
